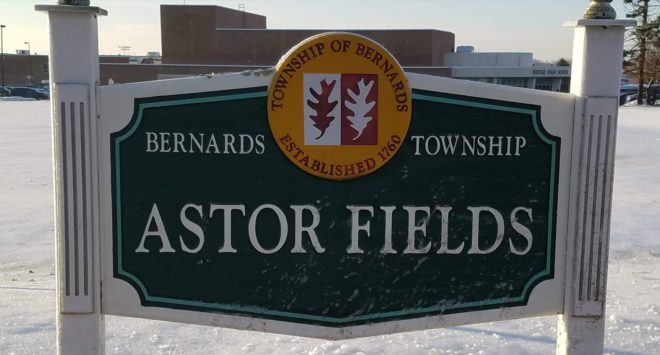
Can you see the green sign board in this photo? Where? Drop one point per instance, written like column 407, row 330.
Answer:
column 210, row 215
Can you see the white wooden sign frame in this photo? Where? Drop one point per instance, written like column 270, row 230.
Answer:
column 85, row 113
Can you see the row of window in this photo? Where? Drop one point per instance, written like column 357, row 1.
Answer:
column 539, row 83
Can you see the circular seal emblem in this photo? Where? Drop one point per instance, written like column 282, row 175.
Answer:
column 339, row 106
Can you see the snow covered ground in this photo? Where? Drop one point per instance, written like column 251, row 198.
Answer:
column 27, row 281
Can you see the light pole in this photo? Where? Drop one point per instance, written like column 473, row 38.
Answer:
column 29, row 61
column 2, row 53
column 123, row 49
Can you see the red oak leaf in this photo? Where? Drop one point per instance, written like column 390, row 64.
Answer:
column 322, row 106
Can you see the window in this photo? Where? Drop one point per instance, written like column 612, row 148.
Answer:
column 518, row 82
column 544, row 84
column 44, row 67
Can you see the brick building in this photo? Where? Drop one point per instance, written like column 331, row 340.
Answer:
column 25, row 70
column 201, row 39
column 198, row 40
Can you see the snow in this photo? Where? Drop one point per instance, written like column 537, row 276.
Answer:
column 16, row 98
column 27, row 281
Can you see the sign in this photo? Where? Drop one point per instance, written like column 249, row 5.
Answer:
column 178, row 201
column 213, row 213
column 552, row 72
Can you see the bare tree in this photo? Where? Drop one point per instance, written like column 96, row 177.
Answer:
column 643, row 41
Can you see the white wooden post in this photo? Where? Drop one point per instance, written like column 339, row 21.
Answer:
column 74, row 75
column 595, row 80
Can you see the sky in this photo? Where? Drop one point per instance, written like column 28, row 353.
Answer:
column 488, row 25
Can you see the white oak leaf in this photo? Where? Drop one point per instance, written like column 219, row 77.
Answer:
column 360, row 107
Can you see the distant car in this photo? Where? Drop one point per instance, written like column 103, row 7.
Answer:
column 627, row 93
column 30, row 93
column 40, row 87
column 626, row 98
column 4, row 91
column 629, row 87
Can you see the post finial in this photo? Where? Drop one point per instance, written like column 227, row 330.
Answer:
column 74, row 2
column 600, row 10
